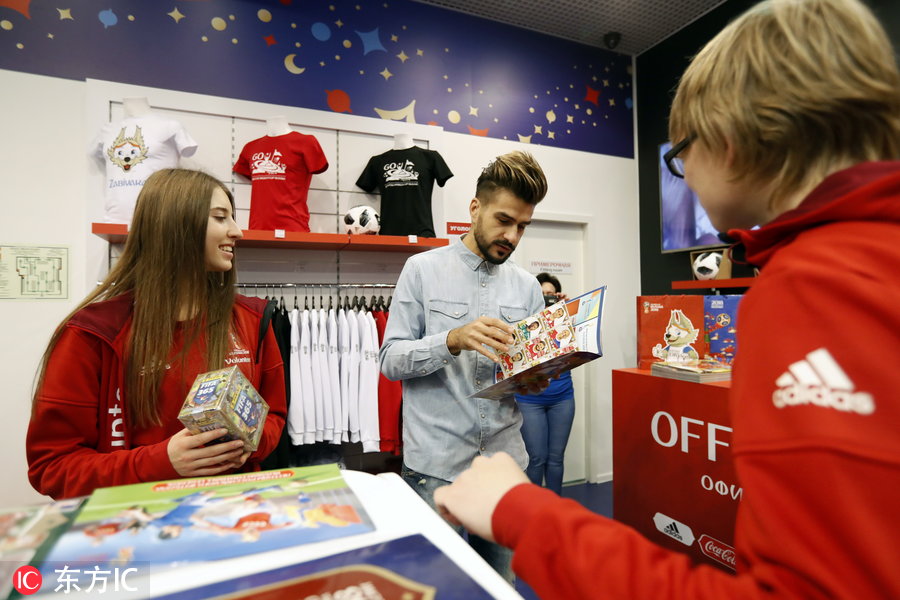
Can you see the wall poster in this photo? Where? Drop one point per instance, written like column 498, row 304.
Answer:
column 34, row 272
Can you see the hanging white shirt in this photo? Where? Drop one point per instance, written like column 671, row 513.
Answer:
column 309, row 400
column 317, row 374
column 334, row 377
column 295, row 425
column 327, row 404
column 353, row 382
column 344, row 366
column 368, row 384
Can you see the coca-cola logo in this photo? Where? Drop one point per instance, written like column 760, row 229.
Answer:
column 718, row 551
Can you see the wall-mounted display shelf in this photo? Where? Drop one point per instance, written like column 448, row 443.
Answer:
column 116, row 233
column 713, row 284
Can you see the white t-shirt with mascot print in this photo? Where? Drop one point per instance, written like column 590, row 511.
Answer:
column 130, row 151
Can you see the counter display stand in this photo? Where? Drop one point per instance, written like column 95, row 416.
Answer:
column 673, row 476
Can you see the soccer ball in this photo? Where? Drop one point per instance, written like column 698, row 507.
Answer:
column 362, row 219
column 706, row 265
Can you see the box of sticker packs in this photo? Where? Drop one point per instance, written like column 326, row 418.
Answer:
column 225, row 399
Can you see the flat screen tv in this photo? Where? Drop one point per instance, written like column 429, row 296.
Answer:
column 683, row 222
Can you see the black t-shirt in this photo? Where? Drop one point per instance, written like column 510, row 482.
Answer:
column 405, row 179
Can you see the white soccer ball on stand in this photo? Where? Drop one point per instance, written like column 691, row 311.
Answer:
column 362, row 220
column 706, row 265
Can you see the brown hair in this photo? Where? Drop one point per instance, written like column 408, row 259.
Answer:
column 797, row 89
column 517, row 172
column 163, row 265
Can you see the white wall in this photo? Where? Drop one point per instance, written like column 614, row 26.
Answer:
column 47, row 195
column 42, row 183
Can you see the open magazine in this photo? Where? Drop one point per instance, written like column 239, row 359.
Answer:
column 160, row 524
column 549, row 343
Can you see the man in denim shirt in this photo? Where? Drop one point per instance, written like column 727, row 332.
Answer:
column 450, row 314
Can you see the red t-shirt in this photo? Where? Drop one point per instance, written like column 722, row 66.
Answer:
column 280, row 169
column 390, row 397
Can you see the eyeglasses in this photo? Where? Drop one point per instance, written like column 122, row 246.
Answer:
column 675, row 164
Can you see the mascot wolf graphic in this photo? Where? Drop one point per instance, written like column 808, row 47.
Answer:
column 680, row 334
column 128, row 151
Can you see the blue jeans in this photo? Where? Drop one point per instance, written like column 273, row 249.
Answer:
column 499, row 557
column 545, row 430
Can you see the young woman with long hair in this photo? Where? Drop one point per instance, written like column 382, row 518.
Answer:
column 117, row 369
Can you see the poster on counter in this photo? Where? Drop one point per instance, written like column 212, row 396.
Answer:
column 34, row 272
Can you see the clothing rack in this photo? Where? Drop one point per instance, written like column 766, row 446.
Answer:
column 358, row 301
column 257, row 285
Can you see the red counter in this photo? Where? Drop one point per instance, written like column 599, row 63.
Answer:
column 673, row 477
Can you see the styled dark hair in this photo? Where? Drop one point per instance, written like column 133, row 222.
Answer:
column 548, row 278
column 517, row 172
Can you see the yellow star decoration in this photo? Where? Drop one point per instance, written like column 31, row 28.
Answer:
column 606, row 83
column 445, row 77
column 473, row 111
column 594, row 78
column 321, row 63
column 577, row 107
column 65, row 13
column 176, row 14
column 386, row 74
column 538, row 129
column 525, row 139
column 402, row 56
column 50, row 35
column 393, row 38
column 551, row 135
column 570, row 119
column 339, row 23
column 612, row 101
column 420, row 53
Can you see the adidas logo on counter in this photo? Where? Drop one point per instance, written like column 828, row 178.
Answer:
column 674, row 529
column 671, row 530
column 819, row 380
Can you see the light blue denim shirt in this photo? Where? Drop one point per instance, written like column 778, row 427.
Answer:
column 440, row 290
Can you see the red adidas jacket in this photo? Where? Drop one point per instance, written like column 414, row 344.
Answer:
column 78, row 439
column 815, row 403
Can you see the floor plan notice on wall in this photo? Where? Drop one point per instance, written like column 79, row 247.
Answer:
column 34, row 272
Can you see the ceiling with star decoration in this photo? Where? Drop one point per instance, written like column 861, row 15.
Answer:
column 395, row 60
column 641, row 25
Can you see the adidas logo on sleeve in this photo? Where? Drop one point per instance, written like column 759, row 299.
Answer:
column 819, row 380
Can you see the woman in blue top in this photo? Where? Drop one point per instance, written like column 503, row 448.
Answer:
column 548, row 416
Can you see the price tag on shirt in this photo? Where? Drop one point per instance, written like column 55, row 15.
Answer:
column 279, row 234
column 413, row 239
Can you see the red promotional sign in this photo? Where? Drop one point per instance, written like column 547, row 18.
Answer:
column 458, row 228
column 674, row 477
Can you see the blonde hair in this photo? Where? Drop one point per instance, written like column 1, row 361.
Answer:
column 517, row 172
column 163, row 265
column 797, row 88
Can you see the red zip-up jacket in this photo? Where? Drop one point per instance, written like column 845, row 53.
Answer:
column 78, row 438
column 815, row 404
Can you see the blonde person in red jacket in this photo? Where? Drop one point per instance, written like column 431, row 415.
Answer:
column 118, row 368
column 789, row 118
